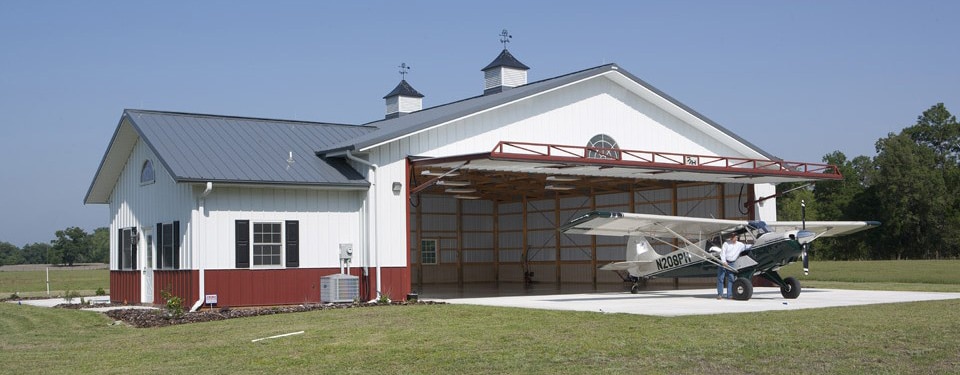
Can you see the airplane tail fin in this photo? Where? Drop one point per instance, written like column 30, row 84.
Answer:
column 639, row 249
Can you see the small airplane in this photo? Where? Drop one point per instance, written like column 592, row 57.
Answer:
column 774, row 245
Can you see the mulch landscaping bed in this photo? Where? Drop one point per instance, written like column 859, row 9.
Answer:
column 145, row 318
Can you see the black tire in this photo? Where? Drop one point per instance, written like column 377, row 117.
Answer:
column 635, row 288
column 742, row 289
column 791, row 288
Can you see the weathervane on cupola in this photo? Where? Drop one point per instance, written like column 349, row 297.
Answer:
column 505, row 38
column 505, row 72
column 404, row 98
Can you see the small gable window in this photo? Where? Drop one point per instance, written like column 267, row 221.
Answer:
column 147, row 175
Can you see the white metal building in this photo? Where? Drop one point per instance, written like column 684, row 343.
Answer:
column 255, row 211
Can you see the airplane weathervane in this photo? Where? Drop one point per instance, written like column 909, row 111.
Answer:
column 505, row 38
column 404, row 69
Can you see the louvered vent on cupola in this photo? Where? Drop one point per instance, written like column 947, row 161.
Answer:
column 505, row 72
column 404, row 98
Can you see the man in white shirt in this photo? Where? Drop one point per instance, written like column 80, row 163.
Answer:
column 729, row 253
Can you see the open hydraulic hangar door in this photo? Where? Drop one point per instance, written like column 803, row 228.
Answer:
column 502, row 235
column 488, row 223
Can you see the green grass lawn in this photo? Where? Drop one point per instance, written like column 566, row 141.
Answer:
column 920, row 337
column 915, row 275
column 429, row 339
column 33, row 283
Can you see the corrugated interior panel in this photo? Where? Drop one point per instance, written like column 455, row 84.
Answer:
column 612, row 200
column 511, row 272
column 478, row 273
column 659, row 202
column 543, row 272
column 478, row 256
column 576, row 254
column 576, row 273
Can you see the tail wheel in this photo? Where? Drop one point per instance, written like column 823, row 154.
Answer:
column 790, row 288
column 742, row 289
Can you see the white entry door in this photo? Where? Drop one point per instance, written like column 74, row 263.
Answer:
column 146, row 282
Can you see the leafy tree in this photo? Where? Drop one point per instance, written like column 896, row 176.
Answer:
column 36, row 253
column 100, row 246
column 9, row 254
column 789, row 207
column 912, row 195
column 72, row 245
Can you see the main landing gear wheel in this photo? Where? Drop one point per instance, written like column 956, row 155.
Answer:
column 635, row 288
column 742, row 289
column 790, row 288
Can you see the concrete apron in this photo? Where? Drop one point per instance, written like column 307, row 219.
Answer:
column 700, row 301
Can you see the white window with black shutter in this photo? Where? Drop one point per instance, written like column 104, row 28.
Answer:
column 168, row 246
column 127, row 248
column 267, row 244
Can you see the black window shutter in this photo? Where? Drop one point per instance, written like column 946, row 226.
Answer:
column 293, row 243
column 119, row 249
column 176, row 245
column 159, row 236
column 133, row 247
column 243, row 243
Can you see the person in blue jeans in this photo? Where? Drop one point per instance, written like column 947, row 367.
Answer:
column 728, row 254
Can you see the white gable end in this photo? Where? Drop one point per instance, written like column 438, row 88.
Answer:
column 571, row 116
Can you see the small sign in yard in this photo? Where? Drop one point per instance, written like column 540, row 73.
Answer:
column 210, row 299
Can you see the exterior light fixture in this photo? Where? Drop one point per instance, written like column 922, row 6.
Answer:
column 397, row 187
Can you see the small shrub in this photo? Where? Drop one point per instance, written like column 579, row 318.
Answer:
column 69, row 295
column 14, row 296
column 101, row 292
column 173, row 304
column 383, row 299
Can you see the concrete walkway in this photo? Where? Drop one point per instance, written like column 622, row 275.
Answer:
column 701, row 301
column 94, row 301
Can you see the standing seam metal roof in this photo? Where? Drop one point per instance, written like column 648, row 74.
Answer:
column 196, row 147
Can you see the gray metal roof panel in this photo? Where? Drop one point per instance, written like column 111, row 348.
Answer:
column 195, row 147
column 505, row 59
column 404, row 89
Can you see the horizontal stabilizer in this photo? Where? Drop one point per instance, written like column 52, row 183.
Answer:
column 622, row 266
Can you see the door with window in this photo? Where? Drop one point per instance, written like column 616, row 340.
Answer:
column 147, row 268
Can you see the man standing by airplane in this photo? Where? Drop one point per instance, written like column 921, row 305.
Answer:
column 729, row 253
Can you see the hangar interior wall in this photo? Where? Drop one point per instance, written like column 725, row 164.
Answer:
column 482, row 241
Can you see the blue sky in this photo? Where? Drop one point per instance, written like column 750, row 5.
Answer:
column 799, row 79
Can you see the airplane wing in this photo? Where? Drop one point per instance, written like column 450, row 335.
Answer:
column 824, row 228
column 624, row 224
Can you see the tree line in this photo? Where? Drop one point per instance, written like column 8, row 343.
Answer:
column 912, row 186
column 72, row 245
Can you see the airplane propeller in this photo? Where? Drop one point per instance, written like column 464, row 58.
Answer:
column 806, row 245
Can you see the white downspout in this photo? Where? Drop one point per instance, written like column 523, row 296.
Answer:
column 372, row 215
column 196, row 244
